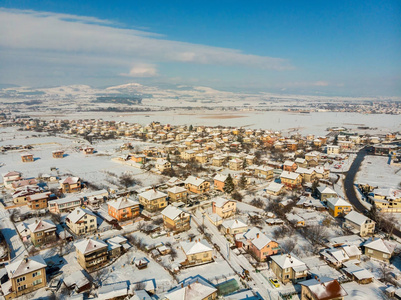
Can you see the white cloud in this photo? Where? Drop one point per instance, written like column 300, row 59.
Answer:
column 142, row 70
column 69, row 38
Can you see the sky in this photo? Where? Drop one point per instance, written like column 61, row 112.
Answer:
column 344, row 48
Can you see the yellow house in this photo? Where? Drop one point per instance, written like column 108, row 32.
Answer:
column 197, row 185
column 235, row 164
column 25, row 276
column 201, row 158
column 264, row 172
column 218, row 161
column 42, row 232
column 197, row 252
column 188, row 154
column 288, row 268
column 81, row 221
column 153, row 200
column 338, row 206
column 223, row 207
column 177, row 193
column 291, row 179
column 176, row 219
column 162, row 164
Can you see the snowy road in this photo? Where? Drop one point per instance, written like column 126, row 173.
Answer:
column 17, row 248
column 238, row 262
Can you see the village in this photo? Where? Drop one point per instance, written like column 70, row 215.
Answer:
column 96, row 209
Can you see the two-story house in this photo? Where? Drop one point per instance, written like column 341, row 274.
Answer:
column 42, row 232
column 360, row 223
column 81, row 221
column 379, row 249
column 176, row 219
column 259, row 244
column 123, row 208
column 338, row 206
column 223, row 207
column 197, row 185
column 177, row 194
column 66, row 204
column 197, row 252
column 323, row 288
column 25, row 276
column 264, row 172
column 153, row 200
column 291, row 179
column 71, row 185
column 38, row 200
column 219, row 182
column 91, row 254
column 288, row 267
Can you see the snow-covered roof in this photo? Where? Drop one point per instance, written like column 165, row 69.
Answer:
column 77, row 278
column 337, row 201
column 172, row 212
column 195, row 247
column 195, row 290
column 324, row 288
column 122, row 203
column 285, row 261
column 356, row 218
column 220, row 201
column 42, row 225
column 114, row 290
column 194, row 180
column 176, row 189
column 89, row 245
column 25, row 265
column 380, row 245
column 289, row 175
column 78, row 213
column 220, row 177
column 233, row 224
column 70, row 180
column 274, row 187
column 152, row 194
column 325, row 190
column 258, row 239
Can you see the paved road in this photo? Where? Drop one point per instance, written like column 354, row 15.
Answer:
column 349, row 187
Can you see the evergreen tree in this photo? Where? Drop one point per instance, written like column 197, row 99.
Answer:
column 228, row 185
column 242, row 182
column 190, row 127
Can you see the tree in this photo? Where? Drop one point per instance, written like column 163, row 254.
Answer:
column 315, row 185
column 289, row 245
column 190, row 128
column 229, row 185
column 384, row 271
column 242, row 182
column 237, row 196
column 127, row 180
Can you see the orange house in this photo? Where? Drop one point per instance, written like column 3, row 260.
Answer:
column 27, row 157
column 260, row 244
column 197, row 185
column 138, row 158
column 289, row 166
column 123, row 209
column 219, row 182
column 58, row 154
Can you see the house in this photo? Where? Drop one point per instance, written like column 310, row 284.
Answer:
column 379, row 249
column 58, row 154
column 264, row 172
column 42, row 232
column 174, row 181
column 291, row 179
column 176, row 219
column 219, row 182
column 162, row 164
column 295, row 220
column 77, row 281
column 25, row 276
column 88, row 150
column 233, row 227
column 308, row 175
column 81, row 221
column 71, row 185
column 192, row 288
column 288, row 267
column 338, row 206
column 323, row 288
column 38, row 200
column 223, row 207
column 362, row 224
column 116, row 246
column 357, row 273
column 123, row 208
column 114, row 291
column 177, row 194
column 289, row 166
column 66, row 204
column 20, row 194
column 91, row 254
column 153, row 200
column 235, row 164
column 201, row 158
column 332, row 149
column 10, row 177
column 188, row 154
column 259, row 244
column 324, row 192
column 197, row 252
column 23, row 182
column 138, row 158
column 218, row 161
column 27, row 157
column 275, row 188
column 197, row 185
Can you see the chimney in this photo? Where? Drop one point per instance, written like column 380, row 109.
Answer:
column 257, row 235
column 182, row 285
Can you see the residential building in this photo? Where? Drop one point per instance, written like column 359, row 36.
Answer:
column 197, row 185
column 11, row 177
column 38, row 200
column 219, row 182
column 58, row 154
column 81, row 221
column 162, row 164
column 288, row 267
column 324, row 192
column 177, row 194
column 25, row 276
column 91, row 254
column 338, row 206
column 218, row 161
column 71, row 185
column 27, row 157
column 197, row 252
column 379, row 249
column 66, row 204
column 192, row 288
column 234, row 226
column 322, row 288
column 259, row 244
column 289, row 166
column 176, row 219
column 235, row 164
column 264, row 172
column 291, row 179
column 153, row 200
column 275, row 188
column 223, row 207
column 42, row 232
column 123, row 208
column 360, row 223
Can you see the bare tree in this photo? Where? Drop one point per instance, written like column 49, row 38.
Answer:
column 384, row 271
column 127, row 180
column 316, row 234
column 289, row 245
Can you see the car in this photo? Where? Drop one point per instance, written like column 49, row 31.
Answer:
column 274, row 282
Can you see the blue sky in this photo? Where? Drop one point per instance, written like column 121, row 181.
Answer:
column 308, row 47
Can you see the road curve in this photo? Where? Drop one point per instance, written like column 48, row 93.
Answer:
column 350, row 188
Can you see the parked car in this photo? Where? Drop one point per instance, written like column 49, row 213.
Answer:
column 274, row 282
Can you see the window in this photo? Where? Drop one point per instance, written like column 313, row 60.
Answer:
column 38, row 281
column 205, row 255
column 22, row 287
column 39, row 234
column 385, row 255
column 370, row 251
column 38, row 273
column 21, row 279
